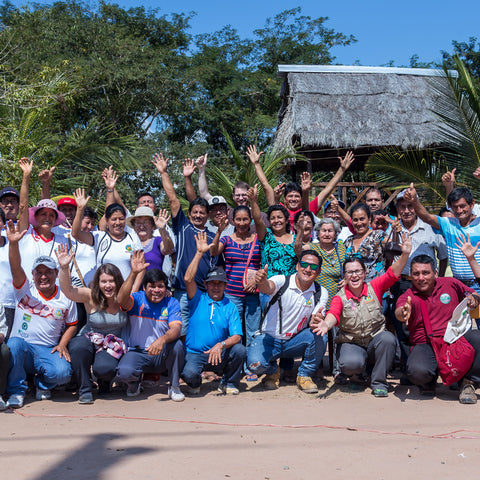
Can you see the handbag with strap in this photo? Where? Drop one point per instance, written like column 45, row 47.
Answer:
column 455, row 359
column 249, row 273
column 392, row 247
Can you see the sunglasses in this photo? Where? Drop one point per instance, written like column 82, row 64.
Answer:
column 313, row 266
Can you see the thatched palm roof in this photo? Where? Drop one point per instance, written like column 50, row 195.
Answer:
column 332, row 108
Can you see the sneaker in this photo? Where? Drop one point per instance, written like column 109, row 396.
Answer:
column 15, row 401
column 43, row 394
column 134, row 389
column 3, row 405
column 306, row 384
column 228, row 389
column 85, row 398
column 272, row 381
column 176, row 394
column 467, row 394
column 193, row 390
column 380, row 392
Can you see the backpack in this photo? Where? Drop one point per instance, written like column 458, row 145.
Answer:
column 278, row 298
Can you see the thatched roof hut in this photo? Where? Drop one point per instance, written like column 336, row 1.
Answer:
column 330, row 109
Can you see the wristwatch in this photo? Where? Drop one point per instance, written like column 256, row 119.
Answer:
column 224, row 345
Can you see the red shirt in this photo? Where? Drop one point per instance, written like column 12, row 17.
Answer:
column 447, row 294
column 380, row 285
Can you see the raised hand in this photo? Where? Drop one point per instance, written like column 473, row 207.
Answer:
column 466, row 247
column 406, row 243
column 476, row 173
column 188, row 167
column 333, row 203
column 110, row 177
column 202, row 161
column 306, row 181
column 137, row 261
column 253, row 155
column 162, row 219
column 347, row 160
column 160, row 163
column 80, row 198
column 278, row 192
column 252, row 194
column 64, row 257
column 407, row 310
column 46, row 174
column 14, row 234
column 201, row 241
column 448, row 178
column 261, row 275
column 26, row 165
column 410, row 194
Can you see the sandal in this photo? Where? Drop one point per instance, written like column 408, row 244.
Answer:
column 251, row 377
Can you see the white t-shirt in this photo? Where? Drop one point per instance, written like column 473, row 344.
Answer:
column 39, row 320
column 32, row 245
column 297, row 308
column 7, row 293
column 108, row 250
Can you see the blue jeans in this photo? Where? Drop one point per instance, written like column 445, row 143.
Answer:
column 265, row 350
column 181, row 296
column 250, row 311
column 50, row 370
column 231, row 366
column 136, row 362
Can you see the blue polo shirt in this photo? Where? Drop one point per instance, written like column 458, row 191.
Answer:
column 149, row 321
column 210, row 322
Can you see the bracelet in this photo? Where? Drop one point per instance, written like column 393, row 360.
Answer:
column 110, row 190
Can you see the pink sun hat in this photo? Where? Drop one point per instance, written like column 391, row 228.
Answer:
column 45, row 203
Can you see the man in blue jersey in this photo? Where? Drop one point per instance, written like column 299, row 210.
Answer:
column 154, row 330
column 214, row 332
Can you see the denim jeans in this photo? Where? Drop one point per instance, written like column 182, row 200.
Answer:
column 136, row 362
column 181, row 296
column 265, row 350
column 231, row 366
column 25, row 358
column 250, row 312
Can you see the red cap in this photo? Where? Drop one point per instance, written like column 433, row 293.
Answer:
column 67, row 201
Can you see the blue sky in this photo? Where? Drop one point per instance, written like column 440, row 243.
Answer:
column 385, row 30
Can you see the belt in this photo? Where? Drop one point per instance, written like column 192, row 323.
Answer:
column 406, row 277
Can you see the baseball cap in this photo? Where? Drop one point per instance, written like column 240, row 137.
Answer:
column 67, row 201
column 9, row 191
column 217, row 273
column 48, row 262
column 340, row 203
column 216, row 200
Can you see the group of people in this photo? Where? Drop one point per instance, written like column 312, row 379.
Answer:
column 229, row 292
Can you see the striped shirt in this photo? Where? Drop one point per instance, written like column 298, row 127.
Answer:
column 450, row 228
column 236, row 256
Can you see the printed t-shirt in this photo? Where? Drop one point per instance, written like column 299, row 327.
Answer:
column 39, row 320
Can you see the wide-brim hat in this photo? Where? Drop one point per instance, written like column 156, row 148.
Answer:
column 140, row 212
column 45, row 203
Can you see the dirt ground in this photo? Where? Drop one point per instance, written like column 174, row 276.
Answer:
column 282, row 434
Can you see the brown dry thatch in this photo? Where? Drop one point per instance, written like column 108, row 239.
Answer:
column 328, row 108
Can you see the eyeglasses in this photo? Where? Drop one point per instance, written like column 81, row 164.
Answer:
column 313, row 266
column 351, row 273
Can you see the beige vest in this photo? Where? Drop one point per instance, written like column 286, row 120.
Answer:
column 360, row 321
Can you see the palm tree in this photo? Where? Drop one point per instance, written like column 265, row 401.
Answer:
column 224, row 178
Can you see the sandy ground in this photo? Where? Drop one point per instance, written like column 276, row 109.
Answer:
column 284, row 434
